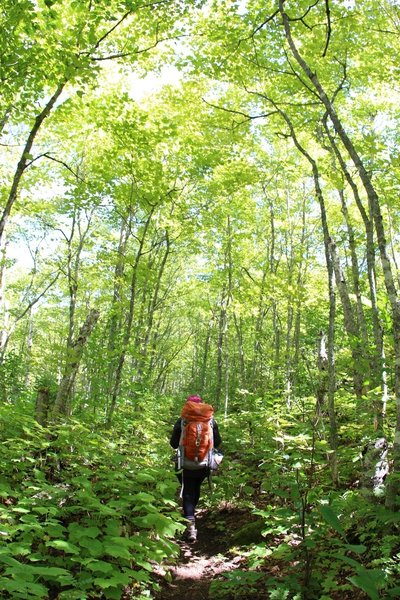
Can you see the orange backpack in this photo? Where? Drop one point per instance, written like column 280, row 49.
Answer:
column 197, row 438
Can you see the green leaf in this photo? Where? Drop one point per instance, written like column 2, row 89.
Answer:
column 116, row 551
column 66, row 547
column 140, row 576
column 113, row 527
column 9, row 560
column 143, row 497
column 60, row 574
column 101, row 566
column 22, row 589
column 162, row 524
column 144, row 477
column 369, row 581
column 331, row 518
column 144, row 564
column 77, row 531
column 18, row 549
column 356, row 548
column 117, row 580
column 95, row 547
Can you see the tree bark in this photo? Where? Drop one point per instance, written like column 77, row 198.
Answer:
column 393, row 489
column 152, row 308
column 129, row 322
column 42, row 406
column 239, row 336
column 73, row 359
column 350, row 322
column 3, row 311
column 222, row 324
column 333, row 440
column 115, row 317
column 377, row 360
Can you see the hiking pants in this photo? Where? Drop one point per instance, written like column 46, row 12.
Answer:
column 192, row 481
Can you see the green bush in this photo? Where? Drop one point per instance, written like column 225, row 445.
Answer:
column 82, row 516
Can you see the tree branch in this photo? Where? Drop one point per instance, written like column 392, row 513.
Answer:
column 246, row 116
column 328, row 27
column 139, row 51
column 61, row 162
column 257, row 29
column 109, row 32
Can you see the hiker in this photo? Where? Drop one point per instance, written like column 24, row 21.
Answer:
column 192, row 475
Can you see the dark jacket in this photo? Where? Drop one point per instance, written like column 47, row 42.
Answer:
column 176, row 434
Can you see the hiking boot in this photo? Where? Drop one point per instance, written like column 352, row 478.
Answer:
column 191, row 531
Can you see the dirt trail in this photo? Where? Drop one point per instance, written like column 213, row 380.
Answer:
column 202, row 562
column 211, row 559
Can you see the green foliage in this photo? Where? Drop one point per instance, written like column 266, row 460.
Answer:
column 80, row 514
column 334, row 540
column 190, row 220
column 233, row 583
column 11, row 377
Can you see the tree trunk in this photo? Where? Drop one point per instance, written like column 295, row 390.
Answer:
column 26, row 158
column 152, row 308
column 115, row 317
column 28, row 351
column 322, row 365
column 299, row 300
column 355, row 271
column 349, row 323
column 333, row 428
column 276, row 367
column 3, row 311
column 378, row 374
column 239, row 336
column 222, row 323
column 330, row 356
column 74, row 355
column 43, row 405
column 129, row 323
column 393, row 489
column 204, row 361
column 255, row 369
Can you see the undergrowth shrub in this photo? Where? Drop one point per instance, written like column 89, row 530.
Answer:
column 317, row 542
column 82, row 515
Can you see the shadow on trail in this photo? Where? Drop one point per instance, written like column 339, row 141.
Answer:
column 200, row 563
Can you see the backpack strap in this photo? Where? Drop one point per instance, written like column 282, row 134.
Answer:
column 180, row 450
column 199, row 429
column 180, row 454
column 210, row 451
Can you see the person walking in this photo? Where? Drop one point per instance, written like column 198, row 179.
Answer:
column 195, row 433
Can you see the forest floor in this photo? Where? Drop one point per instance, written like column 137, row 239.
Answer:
column 204, row 561
column 205, row 565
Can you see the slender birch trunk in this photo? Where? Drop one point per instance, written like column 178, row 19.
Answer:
column 298, row 305
column 377, row 369
column 239, row 337
column 28, row 349
column 255, row 368
column 129, row 322
column 3, row 310
column 204, row 360
column 114, row 327
column 333, row 437
column 393, row 488
column 222, row 326
column 350, row 322
column 75, row 351
column 154, row 304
